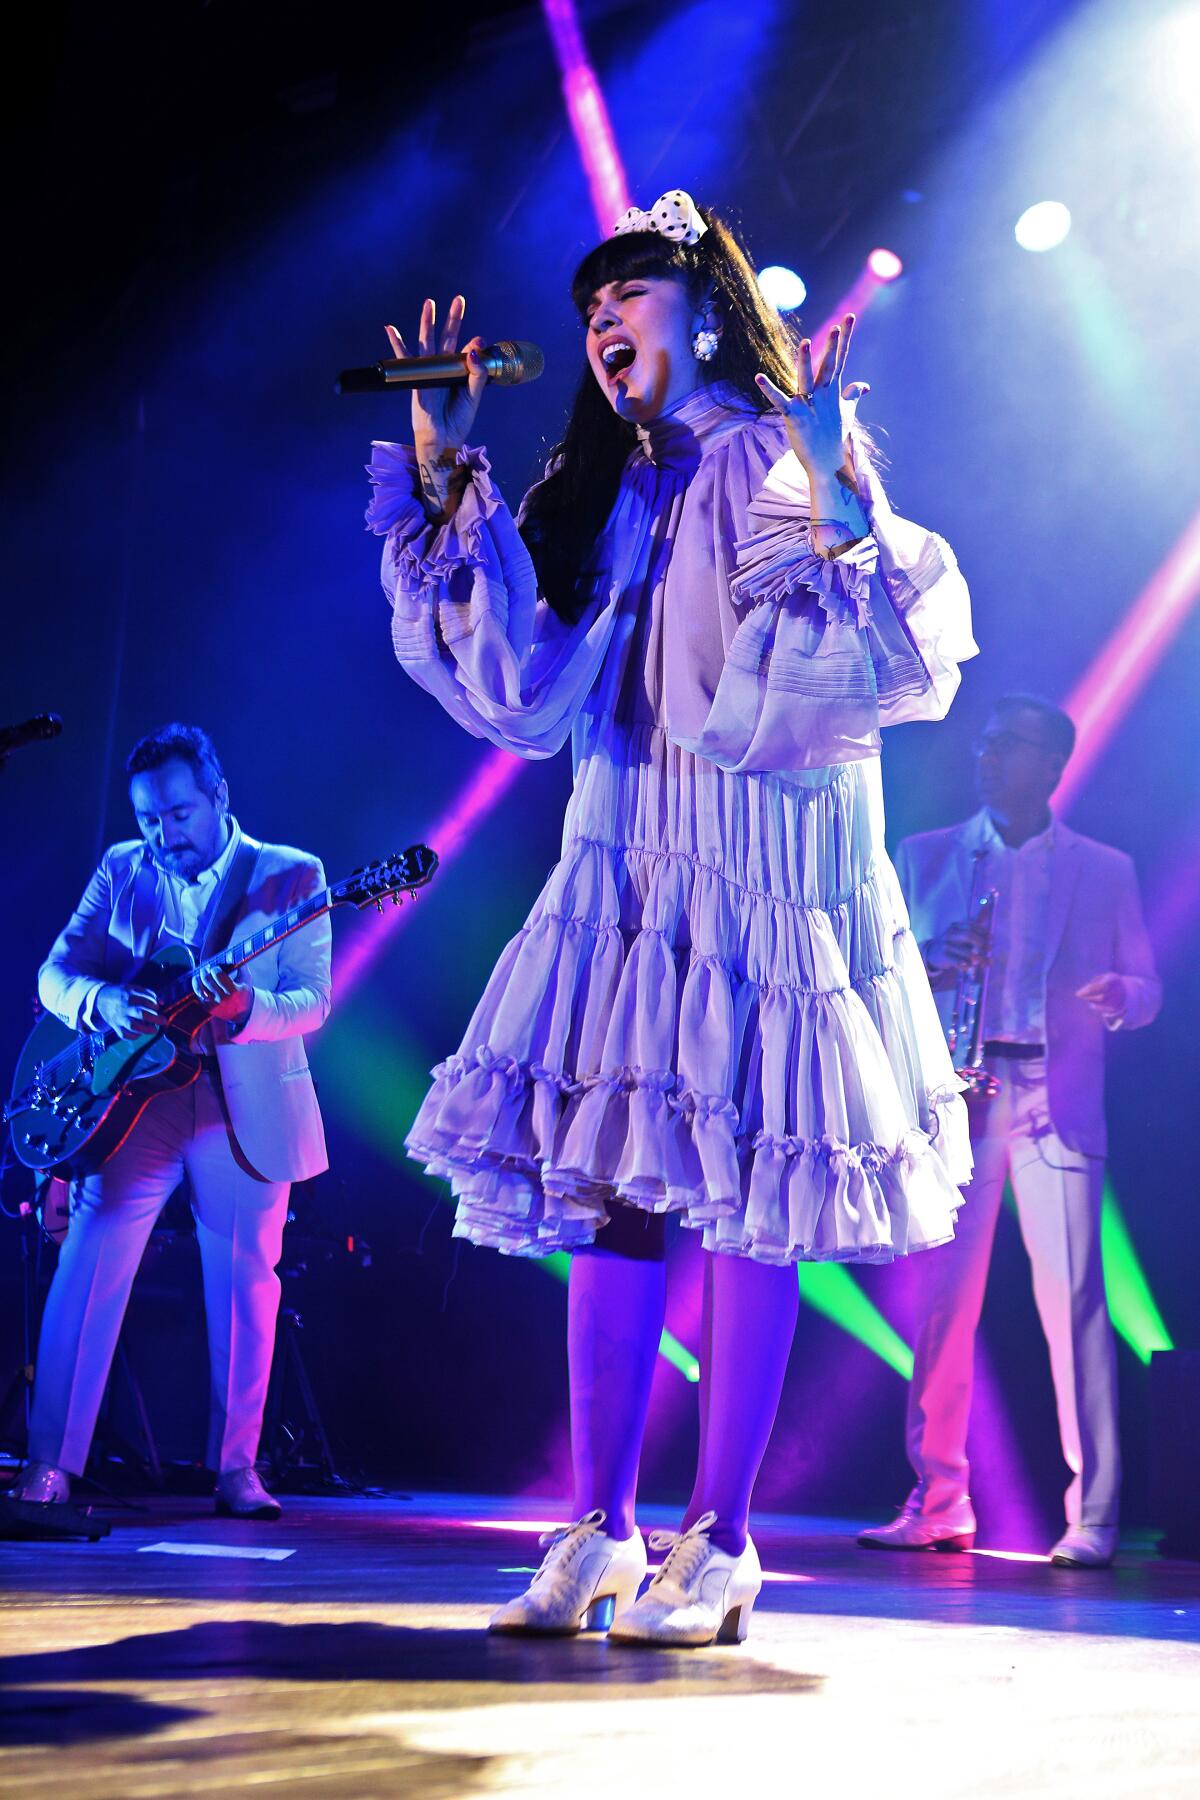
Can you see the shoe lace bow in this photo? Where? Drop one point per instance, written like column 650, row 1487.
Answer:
column 687, row 1551
column 563, row 1544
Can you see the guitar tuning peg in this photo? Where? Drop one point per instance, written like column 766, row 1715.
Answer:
column 395, row 899
column 379, row 906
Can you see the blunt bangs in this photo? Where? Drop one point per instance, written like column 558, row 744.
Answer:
column 625, row 258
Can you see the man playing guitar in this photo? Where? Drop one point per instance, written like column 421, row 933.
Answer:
column 242, row 1131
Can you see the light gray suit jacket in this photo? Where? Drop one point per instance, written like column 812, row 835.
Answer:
column 1093, row 925
column 264, row 1071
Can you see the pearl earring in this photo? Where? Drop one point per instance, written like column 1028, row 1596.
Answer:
column 704, row 345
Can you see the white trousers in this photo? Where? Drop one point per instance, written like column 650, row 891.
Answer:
column 239, row 1225
column 1058, row 1194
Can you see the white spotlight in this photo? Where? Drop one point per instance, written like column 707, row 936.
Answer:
column 781, row 288
column 1044, row 226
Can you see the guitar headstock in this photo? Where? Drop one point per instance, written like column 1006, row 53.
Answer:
column 395, row 875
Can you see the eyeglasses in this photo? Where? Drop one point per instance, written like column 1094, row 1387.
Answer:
column 1000, row 743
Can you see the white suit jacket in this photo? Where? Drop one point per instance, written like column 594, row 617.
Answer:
column 264, row 1071
column 1093, row 925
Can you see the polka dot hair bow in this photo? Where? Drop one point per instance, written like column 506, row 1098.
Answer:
column 673, row 216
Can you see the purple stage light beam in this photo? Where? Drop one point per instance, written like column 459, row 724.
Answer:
column 588, row 113
column 1174, row 906
column 492, row 777
column 486, row 785
column 1103, row 696
column 998, row 1467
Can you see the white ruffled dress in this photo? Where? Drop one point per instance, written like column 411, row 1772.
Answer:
column 715, row 1006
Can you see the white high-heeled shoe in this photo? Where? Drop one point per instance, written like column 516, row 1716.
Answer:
column 585, row 1577
column 701, row 1595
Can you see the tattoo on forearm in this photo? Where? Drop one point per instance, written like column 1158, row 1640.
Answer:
column 443, row 480
column 850, row 526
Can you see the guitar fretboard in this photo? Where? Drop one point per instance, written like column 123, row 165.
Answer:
column 271, row 933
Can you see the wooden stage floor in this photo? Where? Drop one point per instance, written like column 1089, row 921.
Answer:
column 353, row 1662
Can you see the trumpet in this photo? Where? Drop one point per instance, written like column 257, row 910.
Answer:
column 971, row 991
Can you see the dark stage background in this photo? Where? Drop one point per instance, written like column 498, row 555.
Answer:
column 214, row 207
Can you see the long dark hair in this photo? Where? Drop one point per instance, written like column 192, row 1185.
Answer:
column 566, row 512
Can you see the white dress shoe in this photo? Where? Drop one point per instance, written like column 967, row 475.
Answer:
column 913, row 1530
column 701, row 1595
column 585, row 1576
column 241, row 1494
column 1085, row 1547
column 41, row 1484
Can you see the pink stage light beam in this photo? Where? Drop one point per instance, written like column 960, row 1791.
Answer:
column 881, row 268
column 1103, row 696
column 588, row 113
column 486, row 786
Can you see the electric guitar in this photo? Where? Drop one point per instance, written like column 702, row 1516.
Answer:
column 78, row 1094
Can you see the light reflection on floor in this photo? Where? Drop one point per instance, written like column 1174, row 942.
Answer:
column 360, row 1666
column 543, row 1525
column 1018, row 1556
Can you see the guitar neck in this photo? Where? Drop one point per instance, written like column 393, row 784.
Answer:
column 272, row 933
column 379, row 881
column 249, row 948
column 401, row 873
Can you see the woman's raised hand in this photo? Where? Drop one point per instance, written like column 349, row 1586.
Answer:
column 820, row 416
column 442, row 417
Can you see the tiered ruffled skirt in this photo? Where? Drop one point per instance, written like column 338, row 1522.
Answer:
column 715, row 1008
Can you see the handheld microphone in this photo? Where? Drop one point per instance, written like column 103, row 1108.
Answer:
column 507, row 364
column 29, row 731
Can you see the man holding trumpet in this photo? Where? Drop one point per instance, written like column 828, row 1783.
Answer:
column 1041, row 931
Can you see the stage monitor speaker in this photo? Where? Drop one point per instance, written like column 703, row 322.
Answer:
column 1175, row 1470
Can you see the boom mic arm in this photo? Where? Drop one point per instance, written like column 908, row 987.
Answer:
column 29, row 731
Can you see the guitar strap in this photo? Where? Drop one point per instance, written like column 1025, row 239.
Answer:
column 234, row 889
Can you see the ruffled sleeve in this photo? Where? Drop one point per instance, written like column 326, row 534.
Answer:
column 924, row 593
column 467, row 622
column 821, row 652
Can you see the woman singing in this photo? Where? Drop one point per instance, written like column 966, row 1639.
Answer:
column 715, row 1007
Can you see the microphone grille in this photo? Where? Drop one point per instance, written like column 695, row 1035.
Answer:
column 518, row 362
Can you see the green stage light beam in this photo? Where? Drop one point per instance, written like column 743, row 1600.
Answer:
column 1131, row 1305
column 376, row 1080
column 831, row 1290
column 669, row 1348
